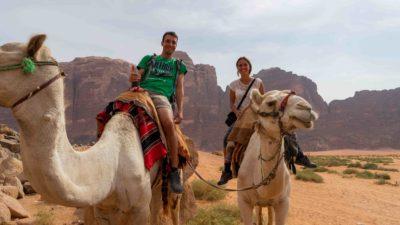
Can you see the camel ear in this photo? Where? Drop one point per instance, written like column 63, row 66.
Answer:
column 35, row 43
column 256, row 96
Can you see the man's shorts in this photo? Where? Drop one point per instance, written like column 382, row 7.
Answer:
column 160, row 101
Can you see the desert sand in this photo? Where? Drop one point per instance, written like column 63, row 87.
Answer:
column 336, row 201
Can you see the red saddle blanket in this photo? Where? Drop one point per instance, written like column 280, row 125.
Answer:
column 150, row 137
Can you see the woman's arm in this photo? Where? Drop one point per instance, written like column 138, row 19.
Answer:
column 232, row 99
column 261, row 88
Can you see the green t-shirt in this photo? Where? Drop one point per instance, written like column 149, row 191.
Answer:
column 161, row 79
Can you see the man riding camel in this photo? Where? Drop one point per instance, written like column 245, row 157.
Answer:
column 162, row 76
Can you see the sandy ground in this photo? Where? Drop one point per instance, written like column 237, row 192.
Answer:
column 337, row 201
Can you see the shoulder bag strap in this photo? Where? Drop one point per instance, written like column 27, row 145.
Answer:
column 245, row 94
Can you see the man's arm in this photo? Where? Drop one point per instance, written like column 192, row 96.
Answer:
column 179, row 98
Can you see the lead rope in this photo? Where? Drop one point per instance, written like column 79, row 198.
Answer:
column 266, row 181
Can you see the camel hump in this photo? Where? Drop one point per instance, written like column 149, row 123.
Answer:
column 35, row 43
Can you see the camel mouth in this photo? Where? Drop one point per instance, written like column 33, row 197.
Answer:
column 307, row 124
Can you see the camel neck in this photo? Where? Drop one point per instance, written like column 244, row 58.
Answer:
column 50, row 162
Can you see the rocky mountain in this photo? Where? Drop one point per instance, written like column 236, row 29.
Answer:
column 370, row 119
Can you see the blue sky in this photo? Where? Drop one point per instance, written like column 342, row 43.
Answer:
column 343, row 45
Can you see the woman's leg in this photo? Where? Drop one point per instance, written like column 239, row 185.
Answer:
column 228, row 151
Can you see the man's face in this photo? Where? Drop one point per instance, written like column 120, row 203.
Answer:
column 169, row 44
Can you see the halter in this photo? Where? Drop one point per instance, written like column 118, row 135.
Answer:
column 28, row 66
column 275, row 114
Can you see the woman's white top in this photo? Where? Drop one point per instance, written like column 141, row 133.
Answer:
column 239, row 88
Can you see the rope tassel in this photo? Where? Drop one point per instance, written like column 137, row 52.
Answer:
column 28, row 66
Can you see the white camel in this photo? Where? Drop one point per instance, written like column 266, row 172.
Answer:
column 109, row 179
column 264, row 154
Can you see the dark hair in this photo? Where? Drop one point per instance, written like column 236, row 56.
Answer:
column 245, row 59
column 172, row 33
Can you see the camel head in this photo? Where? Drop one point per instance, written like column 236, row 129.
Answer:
column 14, row 83
column 297, row 114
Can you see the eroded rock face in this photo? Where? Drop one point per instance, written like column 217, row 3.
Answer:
column 368, row 120
column 91, row 83
column 94, row 81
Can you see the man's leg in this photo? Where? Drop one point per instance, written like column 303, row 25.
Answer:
column 167, row 122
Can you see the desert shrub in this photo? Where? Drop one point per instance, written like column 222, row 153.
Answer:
column 220, row 214
column 217, row 153
column 320, row 169
column 376, row 159
column 383, row 176
column 380, row 182
column 370, row 166
column 309, row 175
column 350, row 171
column 329, row 161
column 44, row 218
column 332, row 172
column 387, row 169
column 365, row 175
column 354, row 165
column 203, row 191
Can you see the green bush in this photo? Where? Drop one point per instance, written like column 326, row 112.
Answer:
column 365, row 175
column 370, row 166
column 350, row 171
column 376, row 159
column 329, row 161
column 388, row 169
column 44, row 218
column 383, row 176
column 321, row 169
column 332, row 172
column 203, row 191
column 354, row 165
column 308, row 175
column 380, row 181
column 220, row 214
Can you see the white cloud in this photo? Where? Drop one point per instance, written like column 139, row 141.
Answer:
column 341, row 45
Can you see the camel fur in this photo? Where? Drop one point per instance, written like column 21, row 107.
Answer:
column 266, row 143
column 109, row 179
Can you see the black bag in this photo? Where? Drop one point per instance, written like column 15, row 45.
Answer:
column 231, row 117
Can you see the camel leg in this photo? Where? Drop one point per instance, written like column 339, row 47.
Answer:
column 246, row 211
column 139, row 216
column 281, row 212
column 270, row 215
column 259, row 216
column 175, row 207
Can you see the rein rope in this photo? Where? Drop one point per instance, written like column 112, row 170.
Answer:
column 272, row 174
column 266, row 181
column 28, row 66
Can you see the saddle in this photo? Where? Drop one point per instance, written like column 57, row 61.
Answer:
column 139, row 106
column 240, row 136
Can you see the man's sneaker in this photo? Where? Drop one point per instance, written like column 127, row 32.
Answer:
column 225, row 177
column 175, row 181
column 303, row 160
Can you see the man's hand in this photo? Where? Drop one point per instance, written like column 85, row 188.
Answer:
column 135, row 74
column 178, row 118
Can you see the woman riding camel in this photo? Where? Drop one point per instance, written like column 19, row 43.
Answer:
column 239, row 96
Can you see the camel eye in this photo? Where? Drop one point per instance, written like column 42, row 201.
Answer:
column 271, row 103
